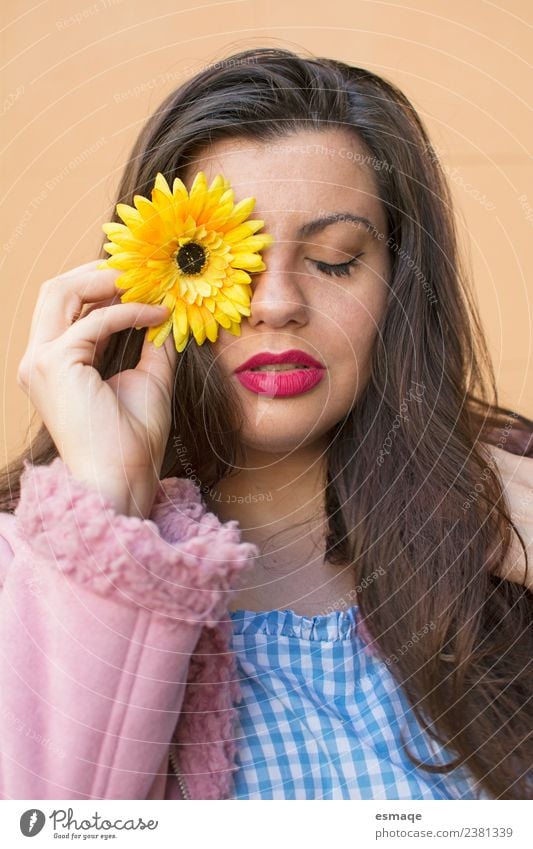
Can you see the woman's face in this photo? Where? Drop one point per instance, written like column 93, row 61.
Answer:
column 296, row 303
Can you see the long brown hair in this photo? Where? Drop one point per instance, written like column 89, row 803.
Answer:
column 412, row 503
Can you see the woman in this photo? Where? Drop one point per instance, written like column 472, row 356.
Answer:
column 186, row 535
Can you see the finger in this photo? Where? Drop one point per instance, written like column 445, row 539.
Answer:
column 513, row 566
column 513, row 467
column 160, row 362
column 96, row 328
column 97, row 305
column 84, row 267
column 62, row 298
column 102, row 344
column 519, row 500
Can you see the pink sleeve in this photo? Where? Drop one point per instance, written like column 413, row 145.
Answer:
column 99, row 616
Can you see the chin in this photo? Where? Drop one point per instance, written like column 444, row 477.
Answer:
column 273, row 436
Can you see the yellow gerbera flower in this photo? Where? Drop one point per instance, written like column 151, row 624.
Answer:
column 190, row 252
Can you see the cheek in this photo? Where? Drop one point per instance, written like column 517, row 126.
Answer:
column 354, row 327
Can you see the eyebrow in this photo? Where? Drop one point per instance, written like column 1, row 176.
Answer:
column 333, row 218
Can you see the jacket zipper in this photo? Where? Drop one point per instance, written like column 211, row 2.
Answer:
column 181, row 780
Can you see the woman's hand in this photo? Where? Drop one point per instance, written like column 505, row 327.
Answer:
column 516, row 473
column 111, row 433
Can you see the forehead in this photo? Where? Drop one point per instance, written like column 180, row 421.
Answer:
column 296, row 176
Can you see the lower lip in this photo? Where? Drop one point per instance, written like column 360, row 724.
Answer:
column 281, row 383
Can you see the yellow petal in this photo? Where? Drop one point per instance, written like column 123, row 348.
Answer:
column 243, row 230
column 180, row 338
column 227, row 308
column 220, row 215
column 188, row 229
column 128, row 214
column 228, row 193
column 166, row 209
column 113, row 229
column 197, row 324
column 158, row 334
column 251, row 262
column 149, row 293
column 111, row 248
column 180, row 317
column 222, row 319
column 214, row 242
column 153, row 226
column 251, row 243
column 162, row 185
column 132, row 277
column 238, row 294
column 199, row 184
column 203, row 287
column 216, row 183
column 125, row 261
column 211, row 326
column 238, row 276
column 179, row 189
column 169, row 301
column 197, row 195
column 189, row 296
column 216, row 195
column 214, row 276
column 144, row 206
column 218, row 262
column 241, row 211
column 225, row 199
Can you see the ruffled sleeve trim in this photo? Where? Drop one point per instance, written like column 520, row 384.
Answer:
column 330, row 627
column 182, row 562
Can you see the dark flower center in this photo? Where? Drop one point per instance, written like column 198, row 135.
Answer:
column 191, row 258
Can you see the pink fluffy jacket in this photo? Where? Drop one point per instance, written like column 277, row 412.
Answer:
column 115, row 643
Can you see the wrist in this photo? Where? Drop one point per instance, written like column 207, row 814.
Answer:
column 126, row 498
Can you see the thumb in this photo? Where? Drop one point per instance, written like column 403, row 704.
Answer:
column 160, row 362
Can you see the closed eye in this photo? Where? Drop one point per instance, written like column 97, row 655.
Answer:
column 342, row 269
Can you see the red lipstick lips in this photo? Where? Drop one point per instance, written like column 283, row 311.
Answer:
column 307, row 372
column 265, row 358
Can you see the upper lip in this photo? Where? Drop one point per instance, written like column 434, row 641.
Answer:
column 265, row 358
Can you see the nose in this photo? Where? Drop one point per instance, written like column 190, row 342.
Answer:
column 277, row 296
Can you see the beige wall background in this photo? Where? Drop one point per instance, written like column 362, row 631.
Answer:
column 80, row 77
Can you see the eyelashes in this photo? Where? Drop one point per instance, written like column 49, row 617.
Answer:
column 342, row 269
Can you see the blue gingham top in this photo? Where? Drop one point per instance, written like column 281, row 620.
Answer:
column 321, row 714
